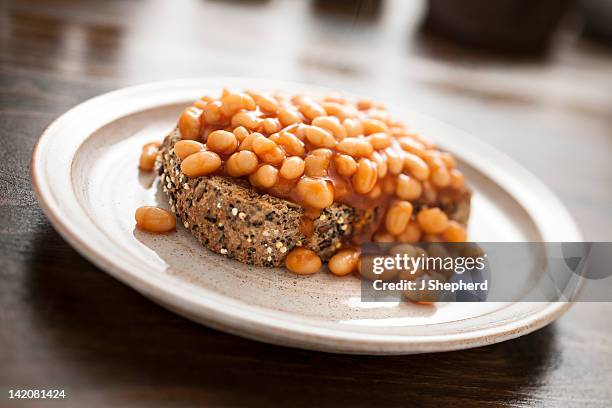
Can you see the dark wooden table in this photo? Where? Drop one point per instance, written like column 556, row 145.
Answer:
column 65, row 324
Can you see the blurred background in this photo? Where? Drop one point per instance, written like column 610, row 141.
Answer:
column 533, row 78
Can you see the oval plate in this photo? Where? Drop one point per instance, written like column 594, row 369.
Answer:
column 84, row 169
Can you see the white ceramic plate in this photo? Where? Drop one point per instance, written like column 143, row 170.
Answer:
column 85, row 174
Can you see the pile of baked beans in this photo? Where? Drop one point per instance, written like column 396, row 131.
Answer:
column 317, row 151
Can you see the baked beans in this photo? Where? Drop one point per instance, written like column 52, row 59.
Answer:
column 189, row 123
column 332, row 125
column 398, row 217
column 454, row 232
column 265, row 176
column 148, row 156
column 291, row 144
column 408, row 188
column 315, row 192
column 355, row 146
column 241, row 133
column 381, row 163
column 335, row 109
column 320, row 137
column 285, row 145
column 289, row 117
column 221, row 141
column 316, row 165
column 411, row 234
column 343, row 262
column 249, row 120
column 416, row 166
column 457, row 179
column 379, row 140
column 184, row 148
column 234, row 102
column 266, row 103
column 395, row 161
column 312, row 110
column 374, row 126
column 365, row 177
column 432, row 220
column 411, row 145
column 154, row 219
column 303, row 261
column 201, row 164
column 292, row 168
column 345, row 165
column 241, row 163
column 247, row 142
column 271, row 125
column 212, row 113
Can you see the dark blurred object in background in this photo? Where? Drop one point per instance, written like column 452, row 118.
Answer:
column 365, row 10
column 598, row 19
column 524, row 26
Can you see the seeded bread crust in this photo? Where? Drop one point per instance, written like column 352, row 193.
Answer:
column 228, row 216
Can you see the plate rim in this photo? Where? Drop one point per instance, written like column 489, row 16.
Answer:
column 274, row 329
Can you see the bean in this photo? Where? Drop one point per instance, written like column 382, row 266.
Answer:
column 291, row 144
column 457, row 179
column 365, row 177
column 221, row 141
column 454, row 232
column 371, row 126
column 249, row 120
column 343, row 262
column 408, row 188
column 148, row 156
column 201, row 164
column 271, row 125
column 303, row 261
column 432, row 220
column 185, row 148
column 398, row 216
column 234, row 102
column 265, row 176
column 411, row 234
column 315, row 192
column 332, row 125
column 312, row 110
column 353, row 127
column 355, row 146
column 316, row 165
column 289, row 116
column 379, row 140
column 416, row 166
column 154, row 219
column 241, row 163
column 320, row 137
column 292, row 168
column 345, row 165
column 189, row 123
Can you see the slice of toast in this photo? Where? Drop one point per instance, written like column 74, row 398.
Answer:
column 230, row 217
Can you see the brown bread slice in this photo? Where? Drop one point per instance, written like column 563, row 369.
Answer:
column 229, row 217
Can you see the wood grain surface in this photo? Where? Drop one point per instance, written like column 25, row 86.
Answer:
column 65, row 324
